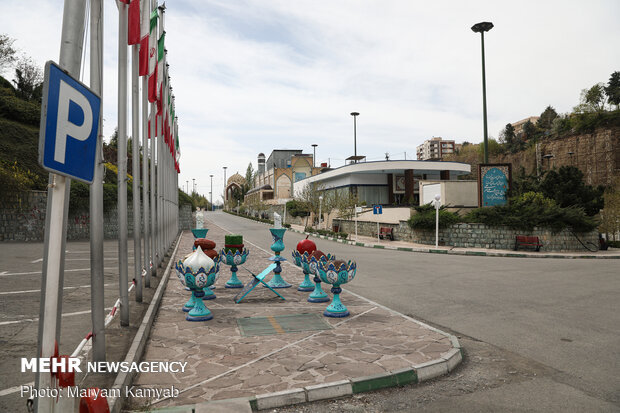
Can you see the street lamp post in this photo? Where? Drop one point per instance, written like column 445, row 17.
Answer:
column 437, row 205
column 193, row 185
column 481, row 28
column 320, row 209
column 211, row 193
column 355, row 115
column 548, row 158
column 225, row 186
column 187, row 186
column 314, row 145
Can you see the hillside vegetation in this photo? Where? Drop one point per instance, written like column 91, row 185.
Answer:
column 19, row 141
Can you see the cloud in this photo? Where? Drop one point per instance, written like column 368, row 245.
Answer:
column 250, row 77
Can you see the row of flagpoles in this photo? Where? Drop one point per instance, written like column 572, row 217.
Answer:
column 155, row 217
column 141, row 28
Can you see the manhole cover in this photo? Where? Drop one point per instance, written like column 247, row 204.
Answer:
column 281, row 324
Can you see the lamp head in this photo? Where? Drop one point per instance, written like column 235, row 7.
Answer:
column 482, row 27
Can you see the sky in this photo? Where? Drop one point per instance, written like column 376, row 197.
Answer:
column 253, row 76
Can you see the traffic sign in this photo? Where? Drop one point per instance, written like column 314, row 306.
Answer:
column 69, row 125
column 377, row 209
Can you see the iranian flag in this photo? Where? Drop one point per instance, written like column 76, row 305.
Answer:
column 160, row 70
column 153, row 57
column 144, row 37
column 133, row 32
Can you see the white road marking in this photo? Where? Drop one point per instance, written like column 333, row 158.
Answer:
column 26, row 320
column 35, row 261
column 15, row 389
column 39, row 272
column 36, row 291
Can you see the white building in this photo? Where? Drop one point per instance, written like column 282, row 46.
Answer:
column 384, row 182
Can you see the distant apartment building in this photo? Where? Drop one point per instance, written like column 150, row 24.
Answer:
column 519, row 125
column 435, row 149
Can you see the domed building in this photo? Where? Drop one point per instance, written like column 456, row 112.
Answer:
column 234, row 187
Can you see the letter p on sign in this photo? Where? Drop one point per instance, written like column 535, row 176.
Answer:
column 69, row 125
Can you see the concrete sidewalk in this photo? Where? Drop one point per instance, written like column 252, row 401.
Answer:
column 373, row 348
column 373, row 242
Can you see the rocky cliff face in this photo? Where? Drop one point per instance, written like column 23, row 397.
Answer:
column 596, row 154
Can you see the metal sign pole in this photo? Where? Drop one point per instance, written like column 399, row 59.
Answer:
column 56, row 216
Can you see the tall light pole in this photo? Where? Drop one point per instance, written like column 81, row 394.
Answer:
column 481, row 28
column 187, row 187
column 193, row 185
column 355, row 115
column 211, row 193
column 225, row 186
column 314, row 145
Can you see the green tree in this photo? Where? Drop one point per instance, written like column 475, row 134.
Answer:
column 529, row 131
column 610, row 215
column 494, row 148
column 249, row 176
column 28, row 79
column 546, row 118
column 522, row 183
column 613, row 89
column 592, row 100
column 510, row 140
column 567, row 188
column 8, row 54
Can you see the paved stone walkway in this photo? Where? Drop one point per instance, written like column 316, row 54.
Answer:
column 223, row 364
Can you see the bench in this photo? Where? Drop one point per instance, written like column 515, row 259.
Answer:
column 386, row 232
column 527, row 241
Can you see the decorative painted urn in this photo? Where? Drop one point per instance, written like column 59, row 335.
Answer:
column 336, row 273
column 310, row 263
column 228, row 257
column 277, row 247
column 198, row 272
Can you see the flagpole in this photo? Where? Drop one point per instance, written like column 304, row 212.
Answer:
column 135, row 169
column 153, row 263
column 52, row 279
column 145, row 24
column 145, row 181
column 122, row 162
column 96, row 190
column 160, row 158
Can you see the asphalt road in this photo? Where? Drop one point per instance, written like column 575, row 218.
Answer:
column 20, row 284
column 558, row 318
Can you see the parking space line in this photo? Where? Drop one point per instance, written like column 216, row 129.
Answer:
column 25, row 320
column 36, row 291
column 5, row 274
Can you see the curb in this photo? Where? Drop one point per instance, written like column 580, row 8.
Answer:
column 326, row 391
column 139, row 342
column 458, row 252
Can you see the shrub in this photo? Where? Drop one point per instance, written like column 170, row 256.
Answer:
column 424, row 218
column 531, row 210
column 298, row 208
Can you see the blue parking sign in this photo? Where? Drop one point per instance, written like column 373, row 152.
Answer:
column 69, row 125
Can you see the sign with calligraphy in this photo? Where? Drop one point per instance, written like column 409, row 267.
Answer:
column 494, row 181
